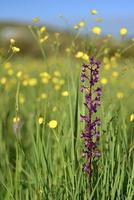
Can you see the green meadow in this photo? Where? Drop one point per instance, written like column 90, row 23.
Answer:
column 40, row 106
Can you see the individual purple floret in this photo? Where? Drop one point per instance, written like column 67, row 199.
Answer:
column 91, row 134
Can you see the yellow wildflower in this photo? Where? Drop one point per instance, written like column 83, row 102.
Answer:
column 107, row 66
column 120, row 95
column 12, row 41
column 43, row 96
column 81, row 24
column 45, row 74
column 65, row 93
column 54, row 109
column 76, row 27
column 32, row 81
column 40, row 120
column 53, row 124
column 25, row 82
column 61, row 82
column 113, row 60
column 85, row 57
column 42, row 40
column 106, row 50
column 57, row 87
column 7, row 65
column 93, row 12
column 123, row 31
column 19, row 74
column 68, row 50
column 10, row 72
column 132, row 117
column 16, row 119
column 105, row 60
column 96, row 30
column 44, row 80
column 42, row 29
column 57, row 73
column 15, row 49
column 104, row 81
column 115, row 74
column 3, row 80
column 79, row 54
column 36, row 19
column 55, row 80
column 21, row 99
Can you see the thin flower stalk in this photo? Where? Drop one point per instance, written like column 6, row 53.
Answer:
column 91, row 133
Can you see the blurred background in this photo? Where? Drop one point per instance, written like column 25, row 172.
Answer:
column 63, row 16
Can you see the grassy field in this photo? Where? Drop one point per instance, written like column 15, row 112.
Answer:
column 40, row 106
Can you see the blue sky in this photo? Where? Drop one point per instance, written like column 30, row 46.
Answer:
column 115, row 13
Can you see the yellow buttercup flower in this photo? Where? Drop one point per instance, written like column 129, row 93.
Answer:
column 42, row 40
column 43, row 96
column 12, row 41
column 115, row 74
column 113, row 60
column 57, row 73
column 52, row 124
column 107, row 66
column 7, row 65
column 44, row 80
column 3, row 80
column 93, row 12
column 55, row 80
column 19, row 74
column 79, row 54
column 15, row 49
column 40, row 120
column 106, row 50
column 81, row 24
column 25, row 82
column 61, row 82
column 68, row 50
column 36, row 19
column 32, row 81
column 132, row 117
column 103, row 81
column 65, row 93
column 123, row 31
column 45, row 74
column 120, row 95
column 57, row 87
column 96, row 30
column 85, row 57
column 76, row 27
column 16, row 119
column 10, row 72
column 21, row 99
column 105, row 60
column 42, row 29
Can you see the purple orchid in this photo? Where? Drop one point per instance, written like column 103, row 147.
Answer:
column 91, row 134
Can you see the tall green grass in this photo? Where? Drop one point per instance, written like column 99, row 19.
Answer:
column 46, row 164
